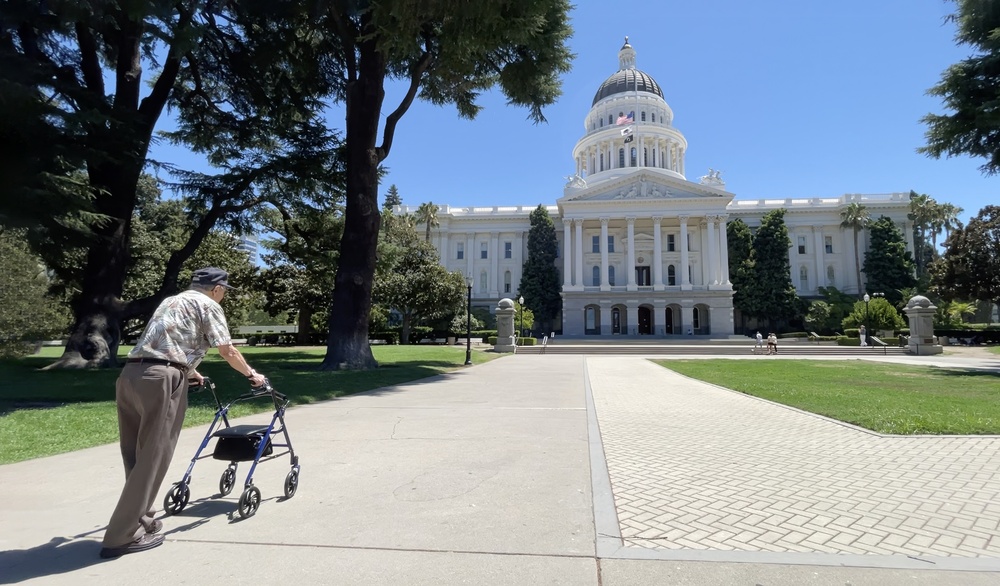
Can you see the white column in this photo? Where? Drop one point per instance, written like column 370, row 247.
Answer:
column 724, row 251
column 578, row 281
column 519, row 257
column 605, row 286
column 713, row 258
column 494, row 264
column 567, row 255
column 444, row 248
column 685, row 259
column 470, row 239
column 657, row 254
column 820, row 268
column 630, row 268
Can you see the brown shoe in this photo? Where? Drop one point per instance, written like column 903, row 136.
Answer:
column 147, row 541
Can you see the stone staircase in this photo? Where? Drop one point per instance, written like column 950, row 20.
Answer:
column 704, row 348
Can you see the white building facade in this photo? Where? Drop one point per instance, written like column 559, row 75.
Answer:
column 642, row 250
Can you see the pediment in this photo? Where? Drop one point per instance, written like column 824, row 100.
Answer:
column 639, row 187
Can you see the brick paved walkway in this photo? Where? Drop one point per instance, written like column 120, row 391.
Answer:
column 697, row 467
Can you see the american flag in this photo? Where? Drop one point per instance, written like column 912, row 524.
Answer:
column 626, row 119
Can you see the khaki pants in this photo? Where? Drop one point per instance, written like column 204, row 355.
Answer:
column 152, row 400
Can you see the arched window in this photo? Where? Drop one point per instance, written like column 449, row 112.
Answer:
column 484, row 283
column 671, row 275
column 653, row 116
column 632, row 161
column 696, row 318
column 602, row 122
column 602, row 161
column 591, row 318
column 611, row 276
column 830, row 280
column 506, row 282
column 642, row 116
column 621, row 158
column 803, row 278
column 597, row 275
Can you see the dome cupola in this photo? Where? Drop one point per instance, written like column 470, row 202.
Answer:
column 627, row 78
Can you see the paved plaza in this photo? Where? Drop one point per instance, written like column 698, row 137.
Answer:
column 576, row 470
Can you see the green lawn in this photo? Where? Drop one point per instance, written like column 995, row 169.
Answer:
column 51, row 412
column 886, row 398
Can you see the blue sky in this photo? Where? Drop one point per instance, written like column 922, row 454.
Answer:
column 787, row 99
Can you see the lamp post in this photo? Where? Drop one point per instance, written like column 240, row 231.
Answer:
column 864, row 339
column 468, row 322
column 520, row 302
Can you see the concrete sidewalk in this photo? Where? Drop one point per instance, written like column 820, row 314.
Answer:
column 490, row 475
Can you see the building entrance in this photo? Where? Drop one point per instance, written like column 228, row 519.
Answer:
column 645, row 321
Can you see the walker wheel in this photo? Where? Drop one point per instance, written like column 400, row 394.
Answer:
column 249, row 502
column 291, row 483
column 227, row 481
column 176, row 499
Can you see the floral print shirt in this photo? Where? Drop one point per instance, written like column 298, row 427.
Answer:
column 182, row 329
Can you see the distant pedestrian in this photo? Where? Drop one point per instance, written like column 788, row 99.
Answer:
column 772, row 343
column 151, row 394
column 760, row 340
column 864, row 335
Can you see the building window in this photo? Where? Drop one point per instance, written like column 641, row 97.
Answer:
column 483, row 250
column 602, row 122
column 653, row 116
column 506, row 282
column 508, row 250
column 611, row 119
column 484, row 284
column 802, row 244
column 595, row 244
column 602, row 161
column 671, row 246
column 632, row 157
column 642, row 116
column 611, row 276
column 696, row 318
column 671, row 275
column 611, row 243
column 591, row 319
column 828, row 244
column 621, row 158
column 830, row 280
column 461, row 251
column 597, row 276
column 804, row 278
column 645, row 157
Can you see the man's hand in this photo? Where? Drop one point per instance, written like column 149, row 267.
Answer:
column 257, row 379
column 195, row 378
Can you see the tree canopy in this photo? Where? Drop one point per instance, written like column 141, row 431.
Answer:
column 539, row 277
column 970, row 90
column 970, row 265
column 771, row 294
column 888, row 265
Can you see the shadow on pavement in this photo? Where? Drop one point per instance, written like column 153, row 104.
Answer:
column 60, row 555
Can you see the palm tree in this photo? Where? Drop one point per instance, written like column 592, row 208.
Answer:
column 949, row 218
column 427, row 215
column 922, row 215
column 856, row 218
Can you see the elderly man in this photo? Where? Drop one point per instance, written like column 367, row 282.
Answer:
column 151, row 394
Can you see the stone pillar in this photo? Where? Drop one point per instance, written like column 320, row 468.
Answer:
column 713, row 257
column 657, row 254
column 605, row 285
column 494, row 264
column 605, row 319
column 470, row 240
column 505, row 326
column 920, row 312
column 567, row 256
column 630, row 263
column 578, row 255
column 820, row 258
column 685, row 260
column 687, row 318
column 632, row 311
column 724, row 252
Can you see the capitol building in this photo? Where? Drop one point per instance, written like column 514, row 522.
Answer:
column 642, row 248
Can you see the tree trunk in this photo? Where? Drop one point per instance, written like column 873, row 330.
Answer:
column 303, row 338
column 347, row 346
column 404, row 331
column 857, row 261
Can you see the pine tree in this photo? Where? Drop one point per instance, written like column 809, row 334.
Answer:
column 772, row 296
column 540, row 277
column 888, row 265
column 740, row 264
column 392, row 198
